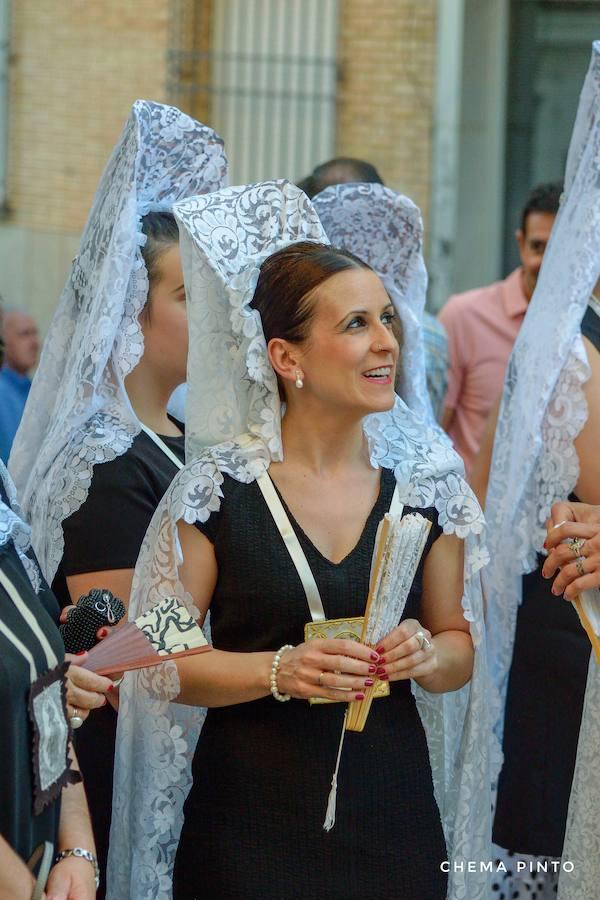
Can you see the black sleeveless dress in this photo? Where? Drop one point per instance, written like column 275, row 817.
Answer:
column 544, row 704
column 262, row 770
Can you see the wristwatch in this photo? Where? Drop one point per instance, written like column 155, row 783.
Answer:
column 82, row 854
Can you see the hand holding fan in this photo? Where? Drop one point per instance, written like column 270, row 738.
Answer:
column 399, row 546
column 166, row 631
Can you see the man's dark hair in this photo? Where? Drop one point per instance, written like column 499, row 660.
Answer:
column 543, row 198
column 341, row 170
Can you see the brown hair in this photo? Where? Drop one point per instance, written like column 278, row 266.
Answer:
column 286, row 280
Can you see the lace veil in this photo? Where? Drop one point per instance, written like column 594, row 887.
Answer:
column 534, row 462
column 385, row 230
column 78, row 414
column 233, row 427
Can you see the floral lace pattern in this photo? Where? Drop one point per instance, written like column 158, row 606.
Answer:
column 78, row 414
column 225, row 238
column 234, row 395
column 13, row 528
column 386, row 231
column 543, row 410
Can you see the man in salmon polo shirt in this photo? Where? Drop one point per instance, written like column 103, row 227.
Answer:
column 482, row 326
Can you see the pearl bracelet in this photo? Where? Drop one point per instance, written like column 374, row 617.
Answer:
column 275, row 670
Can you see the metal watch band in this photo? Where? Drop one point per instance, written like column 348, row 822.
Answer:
column 82, row 854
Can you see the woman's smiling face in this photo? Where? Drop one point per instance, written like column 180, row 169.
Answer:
column 350, row 356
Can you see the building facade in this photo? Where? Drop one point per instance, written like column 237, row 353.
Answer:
column 459, row 103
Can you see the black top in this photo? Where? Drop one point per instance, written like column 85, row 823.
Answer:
column 20, row 827
column 544, row 703
column 107, row 531
column 262, row 770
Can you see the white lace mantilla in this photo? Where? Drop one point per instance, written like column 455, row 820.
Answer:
column 13, row 528
column 78, row 414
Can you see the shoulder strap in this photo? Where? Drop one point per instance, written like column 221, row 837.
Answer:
column 161, row 444
column 315, row 604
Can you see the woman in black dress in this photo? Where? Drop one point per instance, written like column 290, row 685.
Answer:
column 545, row 448
column 262, row 768
column 92, row 485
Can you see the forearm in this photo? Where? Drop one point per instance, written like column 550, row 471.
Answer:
column 16, row 880
column 75, row 828
column 219, row 678
column 454, row 650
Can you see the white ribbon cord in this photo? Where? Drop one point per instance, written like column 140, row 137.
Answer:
column 313, row 597
column 162, row 446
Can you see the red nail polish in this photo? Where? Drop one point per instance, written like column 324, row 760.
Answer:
column 103, row 632
column 381, row 660
column 81, row 653
column 369, row 682
column 383, row 677
column 380, row 650
column 380, row 672
column 111, row 687
column 375, row 657
column 360, row 697
column 372, row 670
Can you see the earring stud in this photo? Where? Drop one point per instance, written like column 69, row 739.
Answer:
column 299, row 382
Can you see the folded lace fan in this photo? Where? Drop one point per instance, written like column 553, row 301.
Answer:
column 166, row 631
column 399, row 545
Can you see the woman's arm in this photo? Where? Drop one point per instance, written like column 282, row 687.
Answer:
column 221, row 678
column 570, row 579
column 16, row 881
column 448, row 664
column 73, row 878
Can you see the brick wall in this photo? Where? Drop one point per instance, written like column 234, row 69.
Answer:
column 77, row 66
column 386, row 51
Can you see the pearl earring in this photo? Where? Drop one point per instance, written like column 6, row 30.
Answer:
column 299, row 382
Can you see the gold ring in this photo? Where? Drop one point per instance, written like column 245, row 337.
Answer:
column 579, row 565
column 320, row 677
column 576, row 545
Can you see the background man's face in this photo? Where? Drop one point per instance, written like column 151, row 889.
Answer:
column 21, row 340
column 532, row 245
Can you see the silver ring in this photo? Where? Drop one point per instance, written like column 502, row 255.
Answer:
column 75, row 721
column 424, row 642
column 320, row 679
column 579, row 565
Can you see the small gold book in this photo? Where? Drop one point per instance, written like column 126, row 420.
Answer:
column 341, row 629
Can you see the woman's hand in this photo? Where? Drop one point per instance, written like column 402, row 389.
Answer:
column 85, row 689
column 334, row 669
column 71, row 879
column 577, row 537
column 407, row 652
